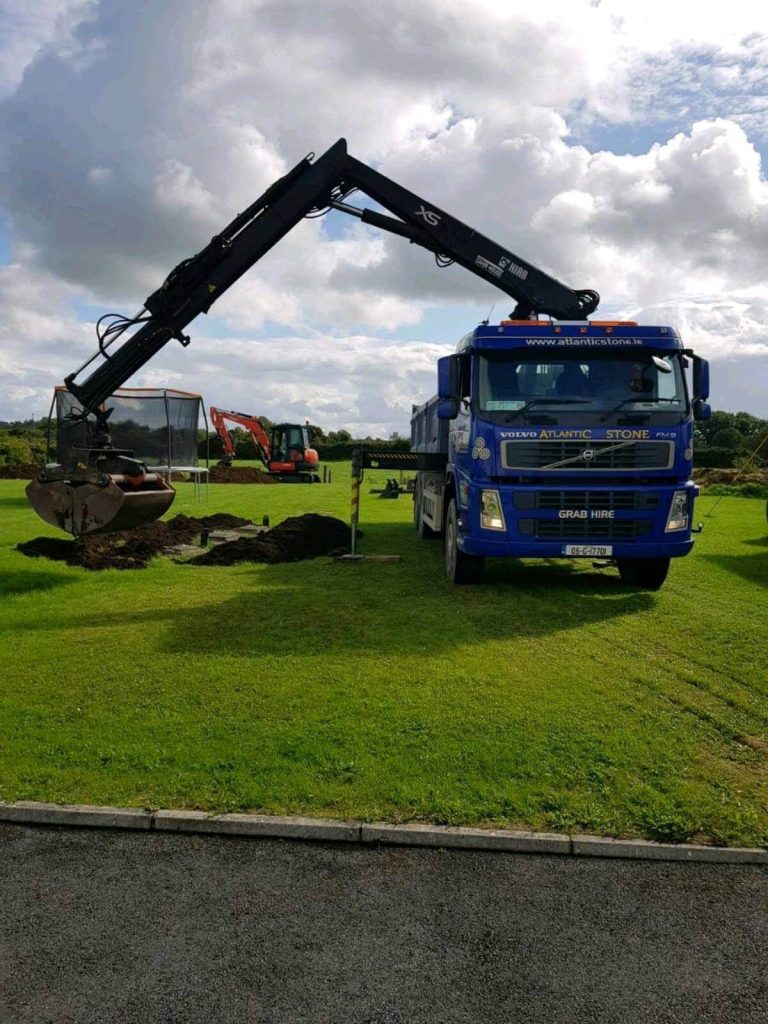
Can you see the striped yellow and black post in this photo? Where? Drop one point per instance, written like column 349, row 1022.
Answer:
column 357, row 475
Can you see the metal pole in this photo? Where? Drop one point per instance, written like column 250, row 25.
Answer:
column 48, row 430
column 201, row 405
column 168, row 431
column 207, row 434
column 357, row 472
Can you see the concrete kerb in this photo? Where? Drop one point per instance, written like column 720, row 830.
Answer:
column 644, row 849
column 465, row 838
column 27, row 812
column 324, row 829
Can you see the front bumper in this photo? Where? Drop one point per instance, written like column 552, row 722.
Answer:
column 541, row 521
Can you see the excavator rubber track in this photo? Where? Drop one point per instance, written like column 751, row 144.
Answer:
column 119, row 502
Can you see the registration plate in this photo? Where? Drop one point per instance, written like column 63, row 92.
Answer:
column 588, row 550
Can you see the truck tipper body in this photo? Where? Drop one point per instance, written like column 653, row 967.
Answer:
column 562, row 439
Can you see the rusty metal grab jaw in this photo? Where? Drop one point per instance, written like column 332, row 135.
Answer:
column 105, row 491
column 97, row 466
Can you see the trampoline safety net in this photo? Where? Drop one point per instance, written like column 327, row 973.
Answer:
column 159, row 425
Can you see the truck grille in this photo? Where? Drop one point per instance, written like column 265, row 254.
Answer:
column 605, row 455
column 589, row 500
column 586, row 529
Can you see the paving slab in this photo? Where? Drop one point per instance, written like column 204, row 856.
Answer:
column 183, row 552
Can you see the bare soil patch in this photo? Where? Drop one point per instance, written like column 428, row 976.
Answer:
column 238, row 475
column 19, row 472
column 293, row 540
column 129, row 549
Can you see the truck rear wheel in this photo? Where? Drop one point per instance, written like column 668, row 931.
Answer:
column 459, row 568
column 645, row 573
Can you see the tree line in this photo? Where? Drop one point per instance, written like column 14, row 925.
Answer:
column 730, row 439
column 24, row 442
column 726, row 440
column 333, row 446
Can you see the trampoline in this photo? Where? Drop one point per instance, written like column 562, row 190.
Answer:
column 159, row 425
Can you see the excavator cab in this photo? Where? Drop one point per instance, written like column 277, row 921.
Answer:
column 290, row 455
column 102, row 489
column 288, row 443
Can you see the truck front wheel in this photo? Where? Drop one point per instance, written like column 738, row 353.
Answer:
column 645, row 573
column 459, row 568
column 424, row 531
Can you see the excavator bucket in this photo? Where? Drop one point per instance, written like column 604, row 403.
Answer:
column 121, row 504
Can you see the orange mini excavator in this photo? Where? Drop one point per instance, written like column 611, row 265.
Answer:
column 285, row 452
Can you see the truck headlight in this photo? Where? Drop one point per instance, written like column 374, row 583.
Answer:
column 491, row 516
column 678, row 512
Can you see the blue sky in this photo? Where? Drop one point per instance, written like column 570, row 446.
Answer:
column 626, row 157
column 5, row 242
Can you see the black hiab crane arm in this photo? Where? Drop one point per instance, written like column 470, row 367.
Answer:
column 310, row 188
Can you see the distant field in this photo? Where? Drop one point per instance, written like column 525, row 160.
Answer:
column 552, row 697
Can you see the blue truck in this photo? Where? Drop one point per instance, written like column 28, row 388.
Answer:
column 556, row 439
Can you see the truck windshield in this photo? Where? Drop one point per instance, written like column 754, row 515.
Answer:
column 507, row 381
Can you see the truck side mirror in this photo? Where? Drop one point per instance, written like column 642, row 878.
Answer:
column 700, row 378
column 701, row 410
column 448, row 377
column 448, row 408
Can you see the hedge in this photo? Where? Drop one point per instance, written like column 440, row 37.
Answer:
column 327, row 452
column 714, row 458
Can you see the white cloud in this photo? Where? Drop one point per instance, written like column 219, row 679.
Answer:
column 29, row 30
column 118, row 163
column 730, row 328
column 99, row 175
column 39, row 341
column 366, row 383
column 363, row 382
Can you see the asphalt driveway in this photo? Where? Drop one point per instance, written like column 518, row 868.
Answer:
column 121, row 927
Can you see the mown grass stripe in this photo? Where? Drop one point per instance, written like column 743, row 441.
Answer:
column 552, row 698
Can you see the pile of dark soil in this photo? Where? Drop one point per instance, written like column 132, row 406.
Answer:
column 130, row 549
column 238, row 475
column 293, row 540
column 19, row 472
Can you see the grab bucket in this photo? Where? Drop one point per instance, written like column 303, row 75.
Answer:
column 121, row 504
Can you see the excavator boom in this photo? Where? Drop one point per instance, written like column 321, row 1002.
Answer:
column 195, row 284
column 311, row 187
column 252, row 424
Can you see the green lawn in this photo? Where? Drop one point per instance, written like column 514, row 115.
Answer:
column 552, row 697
